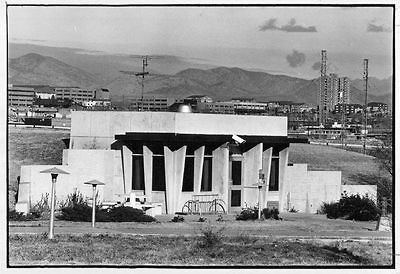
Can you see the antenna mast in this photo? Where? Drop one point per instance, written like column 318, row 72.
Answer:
column 365, row 76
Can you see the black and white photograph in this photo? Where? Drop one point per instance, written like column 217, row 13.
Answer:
column 183, row 135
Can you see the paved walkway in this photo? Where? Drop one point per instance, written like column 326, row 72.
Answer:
column 296, row 226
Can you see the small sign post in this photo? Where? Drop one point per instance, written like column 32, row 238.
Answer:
column 54, row 173
column 260, row 184
column 94, row 183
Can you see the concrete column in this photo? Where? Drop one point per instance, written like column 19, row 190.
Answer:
column 174, row 167
column 127, row 169
column 252, row 163
column 198, row 168
column 148, row 172
column 179, row 159
column 220, row 172
column 266, row 167
column 283, row 163
column 169, row 179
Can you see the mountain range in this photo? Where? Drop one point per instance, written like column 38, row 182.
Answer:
column 70, row 67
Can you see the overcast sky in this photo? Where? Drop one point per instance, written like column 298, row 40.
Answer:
column 283, row 40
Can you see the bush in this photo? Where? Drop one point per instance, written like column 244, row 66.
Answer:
column 211, row 236
column 125, row 214
column 177, row 219
column 271, row 213
column 42, row 207
column 202, row 219
column 76, row 209
column 19, row 216
column 351, row 207
column 250, row 213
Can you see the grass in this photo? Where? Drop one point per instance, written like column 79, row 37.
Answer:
column 356, row 168
column 32, row 146
column 106, row 249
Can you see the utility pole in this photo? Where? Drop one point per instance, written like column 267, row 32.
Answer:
column 322, row 89
column 145, row 59
column 365, row 76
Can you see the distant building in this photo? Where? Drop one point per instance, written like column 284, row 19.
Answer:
column 344, row 90
column 348, row 108
column 150, row 103
column 76, row 94
column 20, row 96
column 376, row 107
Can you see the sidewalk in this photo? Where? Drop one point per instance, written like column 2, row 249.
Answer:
column 296, row 226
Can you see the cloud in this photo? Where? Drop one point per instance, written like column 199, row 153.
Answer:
column 296, row 59
column 289, row 27
column 372, row 27
column 316, row 66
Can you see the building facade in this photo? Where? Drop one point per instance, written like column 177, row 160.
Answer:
column 19, row 96
column 76, row 94
column 174, row 158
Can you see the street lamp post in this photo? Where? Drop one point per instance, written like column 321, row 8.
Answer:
column 54, row 173
column 94, row 183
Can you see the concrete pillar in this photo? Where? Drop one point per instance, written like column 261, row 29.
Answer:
column 266, row 167
column 252, row 163
column 174, row 167
column 169, row 179
column 127, row 169
column 198, row 168
column 180, row 156
column 220, row 172
column 148, row 172
column 283, row 163
column 24, row 190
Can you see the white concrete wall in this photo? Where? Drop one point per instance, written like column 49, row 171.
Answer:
column 83, row 166
column 306, row 190
column 252, row 163
column 96, row 129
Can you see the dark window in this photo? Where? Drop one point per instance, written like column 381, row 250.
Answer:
column 236, row 197
column 188, row 174
column 158, row 173
column 206, row 179
column 274, row 178
column 137, row 173
column 236, row 172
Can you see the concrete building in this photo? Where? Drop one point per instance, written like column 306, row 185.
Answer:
column 77, row 94
column 150, row 103
column 172, row 158
column 19, row 96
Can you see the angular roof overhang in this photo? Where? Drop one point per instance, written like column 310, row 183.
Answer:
column 196, row 140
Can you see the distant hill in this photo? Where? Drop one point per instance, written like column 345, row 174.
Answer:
column 184, row 77
column 35, row 69
column 223, row 83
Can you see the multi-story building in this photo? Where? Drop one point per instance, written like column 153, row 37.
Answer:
column 150, row 103
column 76, row 94
column 348, row 108
column 344, row 90
column 333, row 91
column 376, row 107
column 20, row 96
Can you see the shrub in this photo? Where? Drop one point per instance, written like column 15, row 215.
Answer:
column 76, row 209
column 351, row 207
column 177, row 219
column 250, row 213
column 293, row 210
column 271, row 213
column 211, row 236
column 42, row 207
column 124, row 214
column 202, row 219
column 220, row 218
column 19, row 216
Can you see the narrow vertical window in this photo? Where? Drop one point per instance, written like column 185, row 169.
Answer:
column 274, row 177
column 236, row 172
column 137, row 172
column 188, row 175
column 206, row 179
column 158, row 183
